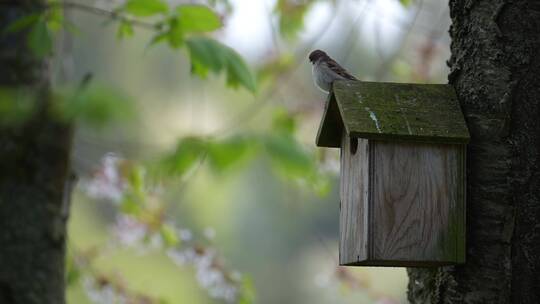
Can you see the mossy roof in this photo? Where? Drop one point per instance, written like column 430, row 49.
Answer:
column 392, row 111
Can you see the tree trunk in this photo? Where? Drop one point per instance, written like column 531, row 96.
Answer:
column 495, row 69
column 34, row 172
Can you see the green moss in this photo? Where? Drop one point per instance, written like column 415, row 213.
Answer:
column 395, row 111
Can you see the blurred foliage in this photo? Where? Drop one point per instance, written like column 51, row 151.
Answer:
column 142, row 224
column 286, row 153
column 179, row 26
column 41, row 27
column 289, row 158
column 39, row 38
column 92, row 104
column 145, row 8
column 208, row 54
column 224, row 154
column 269, row 71
column 406, row 2
column 188, row 151
column 95, row 105
column 22, row 23
column 291, row 14
column 125, row 29
column 197, row 19
column 73, row 271
column 248, row 295
column 16, row 105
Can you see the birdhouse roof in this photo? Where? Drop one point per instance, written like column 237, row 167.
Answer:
column 392, row 111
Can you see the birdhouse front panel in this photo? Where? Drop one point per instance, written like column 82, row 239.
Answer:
column 417, row 211
column 402, row 173
column 401, row 203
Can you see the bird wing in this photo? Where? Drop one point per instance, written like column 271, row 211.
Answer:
column 336, row 68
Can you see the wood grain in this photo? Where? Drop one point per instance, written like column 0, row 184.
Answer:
column 402, row 204
column 353, row 221
column 417, row 203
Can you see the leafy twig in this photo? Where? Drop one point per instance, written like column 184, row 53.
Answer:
column 103, row 12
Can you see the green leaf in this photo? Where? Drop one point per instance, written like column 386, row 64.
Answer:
column 273, row 68
column 289, row 156
column 131, row 204
column 146, row 8
column 55, row 18
column 188, row 151
column 224, row 154
column 238, row 72
column 39, row 39
column 136, row 179
column 291, row 16
column 205, row 54
column 405, row 3
column 16, row 105
column 168, row 233
column 321, row 184
column 248, row 294
column 283, row 122
column 209, row 55
column 93, row 105
column 158, row 38
column 72, row 28
column 125, row 29
column 22, row 23
column 198, row 18
column 292, row 161
column 175, row 34
column 135, row 196
column 73, row 272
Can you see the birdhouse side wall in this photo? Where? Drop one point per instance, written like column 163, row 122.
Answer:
column 417, row 194
column 353, row 240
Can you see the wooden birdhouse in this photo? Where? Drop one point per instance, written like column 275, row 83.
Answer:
column 402, row 172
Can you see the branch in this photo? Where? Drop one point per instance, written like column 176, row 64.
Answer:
column 114, row 15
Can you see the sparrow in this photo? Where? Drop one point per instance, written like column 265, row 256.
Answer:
column 326, row 70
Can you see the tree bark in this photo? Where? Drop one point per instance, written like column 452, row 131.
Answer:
column 34, row 178
column 495, row 69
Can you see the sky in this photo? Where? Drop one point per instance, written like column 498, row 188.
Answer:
column 249, row 28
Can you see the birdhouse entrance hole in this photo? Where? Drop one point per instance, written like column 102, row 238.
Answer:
column 354, row 145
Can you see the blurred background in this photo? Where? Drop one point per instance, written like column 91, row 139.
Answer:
column 251, row 216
